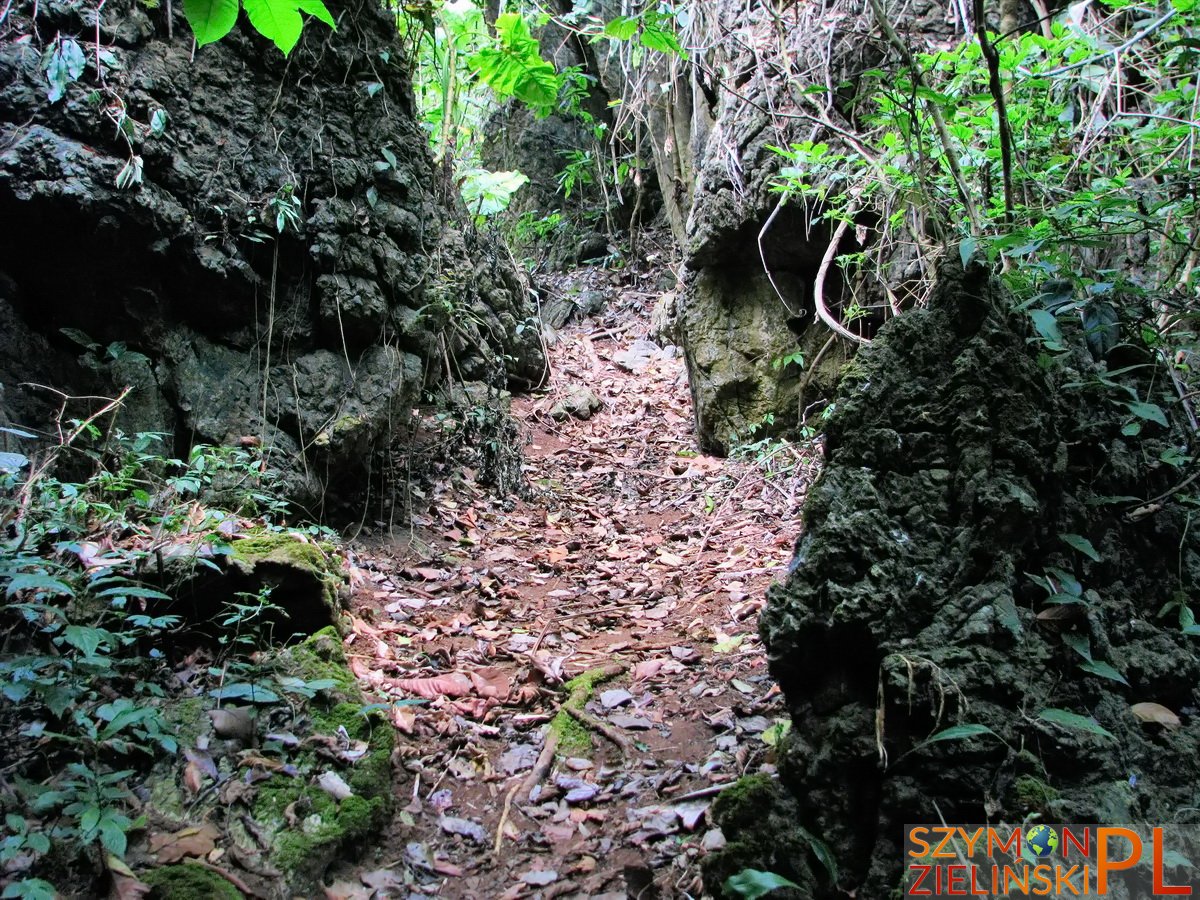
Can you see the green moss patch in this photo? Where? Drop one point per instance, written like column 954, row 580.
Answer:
column 303, row 579
column 188, row 881
column 282, row 548
column 572, row 736
column 326, row 826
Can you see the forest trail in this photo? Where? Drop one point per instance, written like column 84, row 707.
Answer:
column 633, row 556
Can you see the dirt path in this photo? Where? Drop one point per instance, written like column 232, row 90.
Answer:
column 635, row 557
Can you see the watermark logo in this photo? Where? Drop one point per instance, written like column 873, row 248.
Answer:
column 1042, row 840
column 1043, row 860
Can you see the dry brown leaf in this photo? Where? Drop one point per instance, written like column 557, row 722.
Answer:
column 492, row 682
column 125, row 884
column 1155, row 713
column 404, row 718
column 345, row 890
column 474, row 708
column 1061, row 612
column 431, row 574
column 262, row 762
column 647, row 668
column 383, row 880
column 455, row 684
column 196, row 841
column 445, row 867
column 193, row 778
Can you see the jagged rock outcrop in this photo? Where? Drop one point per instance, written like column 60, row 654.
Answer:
column 285, row 264
column 746, row 87
column 990, row 545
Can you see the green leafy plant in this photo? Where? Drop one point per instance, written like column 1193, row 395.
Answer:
column 277, row 20
column 652, row 29
column 83, row 676
column 63, row 64
column 487, row 193
column 1034, row 152
column 514, row 67
column 1064, row 718
column 751, row 884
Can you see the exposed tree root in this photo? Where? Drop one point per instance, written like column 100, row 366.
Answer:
column 589, row 721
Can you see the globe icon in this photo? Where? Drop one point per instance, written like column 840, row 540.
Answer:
column 1042, row 840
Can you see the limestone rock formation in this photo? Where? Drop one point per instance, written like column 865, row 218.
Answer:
column 981, row 549
column 265, row 237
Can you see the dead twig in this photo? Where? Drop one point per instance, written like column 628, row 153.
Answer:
column 587, row 720
column 230, row 877
column 819, row 284
column 544, row 761
column 508, row 798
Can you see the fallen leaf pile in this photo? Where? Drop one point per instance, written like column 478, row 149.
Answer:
column 633, row 552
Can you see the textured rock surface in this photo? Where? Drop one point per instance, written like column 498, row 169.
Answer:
column 956, row 462
column 316, row 339
column 758, row 75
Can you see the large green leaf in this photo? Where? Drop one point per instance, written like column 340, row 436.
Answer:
column 959, row 733
column 1082, row 544
column 1151, row 412
column 657, row 38
column 1067, row 719
column 751, row 884
column 38, row 581
column 317, row 10
column 516, row 68
column 622, row 28
column 277, row 20
column 1104, row 670
column 211, row 20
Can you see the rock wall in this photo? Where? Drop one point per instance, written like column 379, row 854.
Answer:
column 963, row 468
column 746, row 86
column 289, row 266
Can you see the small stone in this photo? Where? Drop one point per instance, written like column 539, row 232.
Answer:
column 334, row 785
column 579, row 402
column 714, row 839
column 637, row 357
column 518, row 759
column 613, row 699
column 464, row 827
column 540, row 877
column 233, row 722
column 754, row 724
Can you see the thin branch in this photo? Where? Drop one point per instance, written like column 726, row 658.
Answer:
column 1115, row 51
column 996, row 87
column 939, row 121
column 819, row 284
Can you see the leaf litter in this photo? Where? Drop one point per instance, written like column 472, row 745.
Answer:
column 632, row 549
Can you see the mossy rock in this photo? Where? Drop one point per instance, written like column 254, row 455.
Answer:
column 759, row 816
column 327, row 826
column 1033, row 795
column 303, row 579
column 963, row 462
column 189, row 881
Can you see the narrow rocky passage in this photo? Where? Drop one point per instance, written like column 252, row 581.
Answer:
column 575, row 675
